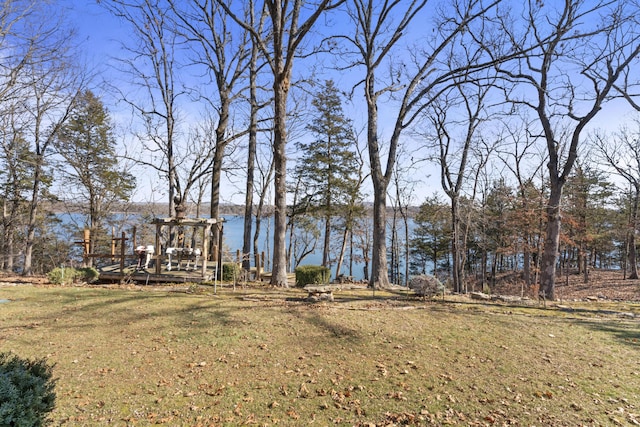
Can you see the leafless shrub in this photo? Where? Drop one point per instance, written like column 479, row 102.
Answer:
column 426, row 285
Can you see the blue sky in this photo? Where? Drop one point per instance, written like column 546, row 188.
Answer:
column 98, row 30
column 99, row 34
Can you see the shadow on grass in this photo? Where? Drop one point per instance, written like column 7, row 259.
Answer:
column 626, row 332
column 610, row 321
column 199, row 313
column 192, row 313
column 88, row 308
column 329, row 325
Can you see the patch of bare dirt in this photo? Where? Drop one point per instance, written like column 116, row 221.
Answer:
column 601, row 284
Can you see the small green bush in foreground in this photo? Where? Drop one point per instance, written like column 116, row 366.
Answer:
column 312, row 275
column 26, row 391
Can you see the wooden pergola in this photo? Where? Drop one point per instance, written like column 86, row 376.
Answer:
column 202, row 224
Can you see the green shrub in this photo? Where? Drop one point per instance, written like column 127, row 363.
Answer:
column 69, row 275
column 312, row 275
column 62, row 276
column 230, row 271
column 88, row 274
column 26, row 391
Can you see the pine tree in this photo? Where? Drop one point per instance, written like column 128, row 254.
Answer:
column 431, row 236
column 92, row 176
column 497, row 231
column 16, row 178
column 328, row 163
column 587, row 192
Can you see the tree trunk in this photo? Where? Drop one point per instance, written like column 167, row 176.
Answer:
column 173, row 176
column 379, row 278
column 379, row 270
column 633, row 254
column 94, row 228
column 256, row 237
column 343, row 249
column 216, row 176
column 33, row 214
column 218, row 157
column 551, row 243
column 251, row 160
column 365, row 268
column 456, row 249
column 279, row 272
column 526, row 263
column 248, row 205
column 327, row 241
column 393, row 253
column 8, row 245
column 407, row 250
column 293, row 244
column 586, row 268
column 633, row 261
column 351, row 252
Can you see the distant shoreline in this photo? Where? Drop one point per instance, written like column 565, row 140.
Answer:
column 160, row 210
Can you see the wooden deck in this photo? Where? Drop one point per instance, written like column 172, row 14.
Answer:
column 122, row 265
column 112, row 273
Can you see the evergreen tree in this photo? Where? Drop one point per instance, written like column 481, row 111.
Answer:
column 16, row 177
column 92, row 176
column 497, row 229
column 328, row 163
column 587, row 192
column 431, row 236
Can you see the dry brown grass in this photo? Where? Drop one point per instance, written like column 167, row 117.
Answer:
column 144, row 356
column 602, row 284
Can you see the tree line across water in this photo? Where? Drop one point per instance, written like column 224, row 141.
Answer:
column 499, row 100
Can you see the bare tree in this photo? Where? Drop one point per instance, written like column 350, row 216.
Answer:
column 379, row 26
column 265, row 174
column 280, row 50
column 361, row 240
column 152, row 68
column 255, row 107
column 404, row 185
column 521, row 156
column 37, row 83
column 462, row 152
column 226, row 56
column 621, row 152
column 51, row 88
column 183, row 156
column 353, row 210
column 18, row 49
column 574, row 57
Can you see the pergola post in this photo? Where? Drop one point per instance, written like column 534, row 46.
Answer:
column 220, row 232
column 123, row 239
column 201, row 223
column 205, row 248
column 158, row 250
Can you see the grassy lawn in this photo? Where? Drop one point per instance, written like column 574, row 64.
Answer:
column 261, row 356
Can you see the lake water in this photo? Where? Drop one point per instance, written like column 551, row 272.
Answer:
column 233, row 236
